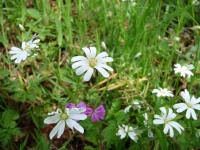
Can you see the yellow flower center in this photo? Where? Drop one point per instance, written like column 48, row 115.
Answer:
column 92, row 62
column 189, row 105
column 63, row 116
column 166, row 121
column 26, row 47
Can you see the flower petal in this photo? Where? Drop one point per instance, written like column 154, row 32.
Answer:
column 79, row 58
column 52, row 119
column 177, row 126
column 55, row 129
column 158, row 121
column 61, row 128
column 81, row 70
column 79, row 63
column 88, row 74
column 101, row 55
column 186, row 96
column 93, row 52
column 102, row 71
column 87, row 52
column 105, row 67
column 73, row 124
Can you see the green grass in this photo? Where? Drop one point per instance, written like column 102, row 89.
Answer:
column 40, row 84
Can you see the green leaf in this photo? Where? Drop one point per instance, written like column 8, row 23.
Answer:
column 34, row 13
column 59, row 32
column 162, row 139
column 8, row 118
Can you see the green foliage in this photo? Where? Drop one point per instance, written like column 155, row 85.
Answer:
column 40, row 84
column 9, row 127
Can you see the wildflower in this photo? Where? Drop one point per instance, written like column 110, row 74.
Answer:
column 88, row 110
column 98, row 114
column 135, row 105
column 132, row 132
column 189, row 105
column 87, row 64
column 195, row 2
column 21, row 27
column 127, row 109
column 103, row 45
column 68, row 117
column 184, row 70
column 22, row 54
column 163, row 92
column 146, row 118
column 150, row 133
column 166, row 119
column 177, row 39
column 138, row 55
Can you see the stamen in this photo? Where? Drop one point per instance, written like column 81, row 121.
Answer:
column 63, row 116
column 92, row 62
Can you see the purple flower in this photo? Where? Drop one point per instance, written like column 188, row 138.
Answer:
column 88, row 111
column 98, row 114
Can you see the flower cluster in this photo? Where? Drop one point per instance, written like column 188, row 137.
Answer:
column 71, row 116
column 125, row 129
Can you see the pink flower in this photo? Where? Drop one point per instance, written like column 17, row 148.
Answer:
column 98, row 114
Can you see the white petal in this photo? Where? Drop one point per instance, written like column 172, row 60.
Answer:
column 194, row 116
column 166, row 129
column 81, row 69
column 78, row 64
column 36, row 41
column 101, row 55
column 102, row 71
column 171, row 131
column 197, row 106
column 52, row 119
column 133, row 136
column 15, row 50
column 106, row 59
column 61, row 128
column 158, row 121
column 24, row 55
column 73, row 124
column 93, row 52
column 186, row 96
column 164, row 111
column 181, row 109
column 157, row 117
column 19, row 59
column 88, row 74
column 14, row 56
column 155, row 91
column 78, row 116
column 78, row 58
column 177, row 126
column 23, row 45
column 188, row 113
column 197, row 101
column 87, row 52
column 179, row 105
column 55, row 129
column 105, row 67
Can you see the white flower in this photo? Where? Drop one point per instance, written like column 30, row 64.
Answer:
column 184, row 70
column 146, row 118
column 132, row 132
column 103, row 45
column 189, row 105
column 22, row 54
column 21, row 27
column 135, row 105
column 87, row 64
column 150, row 133
column 166, row 119
column 195, row 2
column 162, row 92
column 177, row 39
column 68, row 117
column 127, row 109
column 138, row 55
